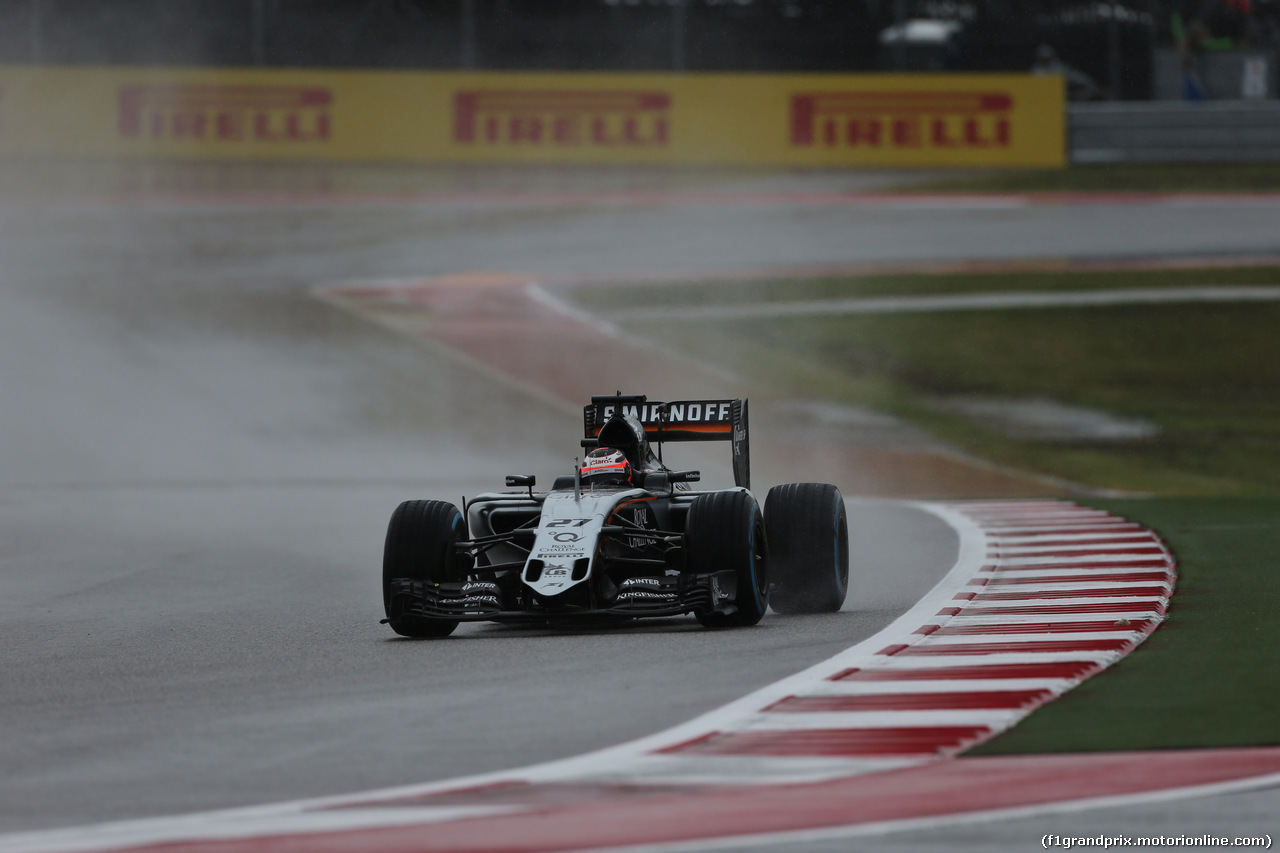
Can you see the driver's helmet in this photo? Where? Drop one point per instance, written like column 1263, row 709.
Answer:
column 606, row 466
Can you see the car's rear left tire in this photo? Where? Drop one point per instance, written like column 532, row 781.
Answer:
column 808, row 547
column 419, row 547
column 725, row 531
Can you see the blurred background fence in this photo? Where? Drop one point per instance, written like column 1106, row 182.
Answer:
column 1180, row 53
column 1113, row 50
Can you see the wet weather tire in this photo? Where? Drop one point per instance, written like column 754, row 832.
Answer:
column 419, row 547
column 808, row 547
column 725, row 531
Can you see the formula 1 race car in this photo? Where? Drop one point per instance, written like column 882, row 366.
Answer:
column 623, row 536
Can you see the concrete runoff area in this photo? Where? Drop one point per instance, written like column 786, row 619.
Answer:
column 192, row 529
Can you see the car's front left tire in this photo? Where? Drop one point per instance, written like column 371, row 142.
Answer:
column 808, row 547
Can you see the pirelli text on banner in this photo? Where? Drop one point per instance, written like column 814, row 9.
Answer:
column 218, row 113
column 565, row 118
column 826, row 120
column 907, row 120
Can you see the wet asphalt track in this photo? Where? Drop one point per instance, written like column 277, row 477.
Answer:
column 200, row 460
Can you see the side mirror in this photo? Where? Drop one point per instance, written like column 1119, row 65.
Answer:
column 684, row 476
column 522, row 481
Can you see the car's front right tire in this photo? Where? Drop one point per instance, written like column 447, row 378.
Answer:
column 419, row 547
column 725, row 531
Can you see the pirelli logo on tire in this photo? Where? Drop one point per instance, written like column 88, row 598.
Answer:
column 562, row 118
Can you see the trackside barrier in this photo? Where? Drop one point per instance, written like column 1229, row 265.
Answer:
column 1173, row 132
column 801, row 120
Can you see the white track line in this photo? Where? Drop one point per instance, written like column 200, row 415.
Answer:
column 999, row 301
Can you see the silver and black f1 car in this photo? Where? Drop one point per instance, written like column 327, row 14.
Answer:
column 623, row 536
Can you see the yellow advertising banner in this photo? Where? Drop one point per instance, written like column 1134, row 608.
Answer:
column 814, row 120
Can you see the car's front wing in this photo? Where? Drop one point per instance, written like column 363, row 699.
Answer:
column 479, row 601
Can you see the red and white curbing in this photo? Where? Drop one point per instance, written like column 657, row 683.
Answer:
column 1043, row 595
column 1059, row 593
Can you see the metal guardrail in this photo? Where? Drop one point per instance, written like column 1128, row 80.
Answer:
column 1174, row 132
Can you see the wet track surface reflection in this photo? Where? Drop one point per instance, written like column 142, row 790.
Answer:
column 201, row 459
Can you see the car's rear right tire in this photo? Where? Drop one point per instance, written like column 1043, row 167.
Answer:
column 419, row 547
column 725, row 531
column 808, row 547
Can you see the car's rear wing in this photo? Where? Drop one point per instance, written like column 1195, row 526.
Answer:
column 683, row 420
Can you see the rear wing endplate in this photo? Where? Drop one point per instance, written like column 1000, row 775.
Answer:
column 681, row 420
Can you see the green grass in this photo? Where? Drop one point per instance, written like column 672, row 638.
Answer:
column 1206, row 374
column 1209, row 177
column 1208, row 676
